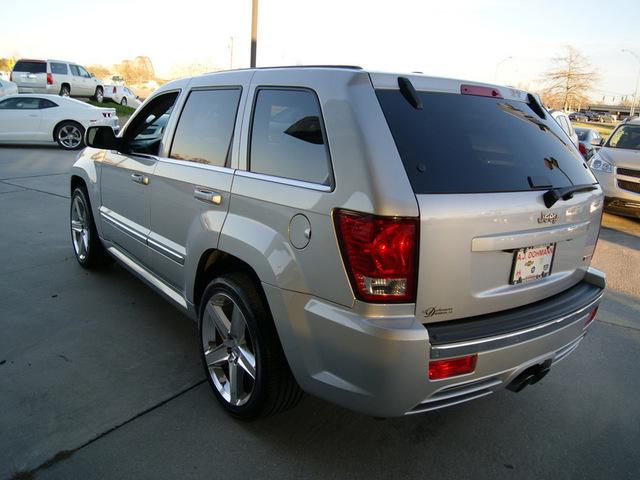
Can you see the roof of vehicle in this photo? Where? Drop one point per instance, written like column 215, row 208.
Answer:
column 55, row 98
column 44, row 60
column 389, row 80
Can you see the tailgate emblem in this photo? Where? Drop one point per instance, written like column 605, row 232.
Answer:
column 548, row 217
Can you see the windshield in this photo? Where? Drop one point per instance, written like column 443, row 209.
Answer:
column 472, row 144
column 625, row 136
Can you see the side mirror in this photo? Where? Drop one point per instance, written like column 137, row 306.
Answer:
column 92, row 75
column 103, row 137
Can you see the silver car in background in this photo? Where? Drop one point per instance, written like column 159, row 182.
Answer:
column 617, row 167
column 57, row 77
column 392, row 243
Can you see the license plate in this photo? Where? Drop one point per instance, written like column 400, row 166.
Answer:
column 532, row 263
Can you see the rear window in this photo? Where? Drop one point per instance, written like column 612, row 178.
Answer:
column 472, row 144
column 29, row 66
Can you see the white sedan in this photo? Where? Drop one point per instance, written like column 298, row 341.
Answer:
column 122, row 95
column 7, row 88
column 31, row 118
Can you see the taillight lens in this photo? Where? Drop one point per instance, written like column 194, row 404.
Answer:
column 49, row 79
column 451, row 367
column 114, row 90
column 583, row 149
column 11, row 76
column 380, row 254
column 591, row 317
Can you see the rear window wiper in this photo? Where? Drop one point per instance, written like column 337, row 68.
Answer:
column 565, row 193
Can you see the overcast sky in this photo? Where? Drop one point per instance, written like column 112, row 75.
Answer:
column 461, row 39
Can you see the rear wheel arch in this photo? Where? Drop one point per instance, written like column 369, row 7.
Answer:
column 215, row 263
column 63, row 86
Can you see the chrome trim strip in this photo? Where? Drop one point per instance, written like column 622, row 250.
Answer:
column 539, row 236
column 512, row 338
column 106, row 215
column 165, row 251
column 202, row 166
column 149, row 277
column 284, row 181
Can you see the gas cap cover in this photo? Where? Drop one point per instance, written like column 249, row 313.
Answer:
column 299, row 231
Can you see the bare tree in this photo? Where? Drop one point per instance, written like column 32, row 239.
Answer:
column 99, row 71
column 569, row 81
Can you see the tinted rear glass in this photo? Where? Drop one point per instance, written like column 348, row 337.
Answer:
column 31, row 67
column 60, row 68
column 472, row 144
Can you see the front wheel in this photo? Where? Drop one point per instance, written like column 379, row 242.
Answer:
column 241, row 353
column 99, row 95
column 69, row 135
column 87, row 247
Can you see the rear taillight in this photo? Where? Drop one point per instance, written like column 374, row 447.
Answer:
column 451, row 367
column 49, row 79
column 114, row 90
column 480, row 91
column 380, row 254
column 591, row 317
column 11, row 76
column 106, row 114
column 583, row 149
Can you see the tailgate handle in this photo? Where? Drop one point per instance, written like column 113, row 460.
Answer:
column 207, row 196
column 531, row 238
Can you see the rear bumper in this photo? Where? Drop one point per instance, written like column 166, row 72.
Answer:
column 36, row 89
column 377, row 363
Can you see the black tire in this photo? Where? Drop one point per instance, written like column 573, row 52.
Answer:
column 123, row 102
column 95, row 255
column 274, row 389
column 99, row 95
column 69, row 135
column 65, row 91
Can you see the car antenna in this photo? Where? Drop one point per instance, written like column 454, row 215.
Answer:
column 409, row 93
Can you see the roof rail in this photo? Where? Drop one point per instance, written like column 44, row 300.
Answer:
column 347, row 67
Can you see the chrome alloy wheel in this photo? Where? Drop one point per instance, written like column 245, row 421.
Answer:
column 228, row 349
column 79, row 228
column 70, row 136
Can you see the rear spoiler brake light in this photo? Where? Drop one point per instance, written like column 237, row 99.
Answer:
column 480, row 91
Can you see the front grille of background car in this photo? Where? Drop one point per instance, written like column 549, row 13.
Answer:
column 631, row 186
column 628, row 172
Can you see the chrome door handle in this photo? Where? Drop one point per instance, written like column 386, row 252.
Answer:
column 207, row 196
column 139, row 178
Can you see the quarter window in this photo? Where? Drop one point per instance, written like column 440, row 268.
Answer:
column 287, row 138
column 205, row 128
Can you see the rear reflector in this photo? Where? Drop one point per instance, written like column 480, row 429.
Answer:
column 380, row 255
column 451, row 367
column 591, row 317
column 480, row 91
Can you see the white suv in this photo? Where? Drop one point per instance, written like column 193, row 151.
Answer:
column 67, row 79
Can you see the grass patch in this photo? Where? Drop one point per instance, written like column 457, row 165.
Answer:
column 603, row 129
column 121, row 110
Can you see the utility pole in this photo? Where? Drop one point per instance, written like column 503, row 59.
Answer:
column 254, row 32
column 635, row 92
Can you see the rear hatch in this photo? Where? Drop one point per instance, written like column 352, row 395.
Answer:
column 30, row 74
column 480, row 160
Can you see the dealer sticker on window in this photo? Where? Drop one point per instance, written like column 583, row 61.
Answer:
column 532, row 263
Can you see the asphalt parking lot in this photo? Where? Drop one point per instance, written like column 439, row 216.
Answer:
column 99, row 378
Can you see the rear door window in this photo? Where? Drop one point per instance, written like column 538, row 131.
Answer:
column 287, row 136
column 59, row 68
column 473, row 144
column 74, row 70
column 20, row 103
column 30, row 66
column 205, row 127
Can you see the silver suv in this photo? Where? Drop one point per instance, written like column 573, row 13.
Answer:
column 57, row 77
column 394, row 244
